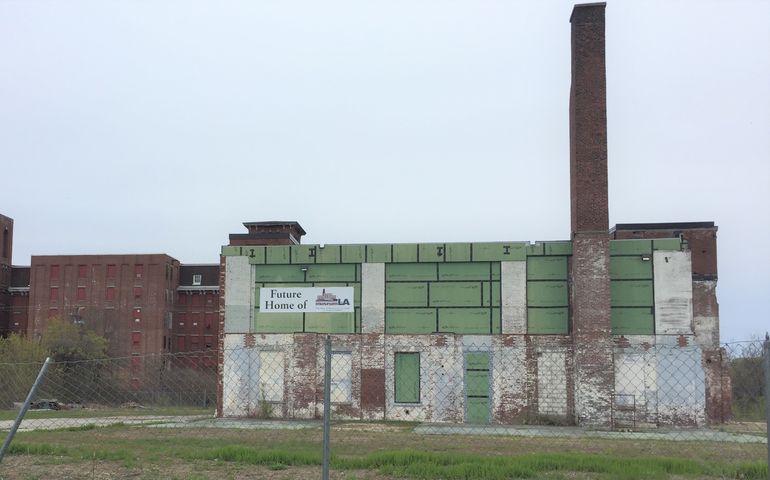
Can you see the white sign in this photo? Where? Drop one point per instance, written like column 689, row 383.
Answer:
column 308, row 299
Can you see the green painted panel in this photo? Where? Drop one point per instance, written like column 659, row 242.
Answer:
column 278, row 273
column 666, row 244
column 630, row 247
column 431, row 252
column 477, row 410
column 343, row 272
column 536, row 249
column 379, row 253
column 497, row 327
column 455, row 294
column 277, row 254
column 330, row 322
column 358, row 320
column 553, row 321
column 502, row 251
column 256, row 255
column 547, row 294
column 464, row 271
column 410, row 320
column 353, row 253
column 477, row 383
column 632, row 321
column 230, row 251
column 277, row 322
column 458, row 252
column 496, row 301
column 405, row 252
column 464, row 320
column 406, row 294
column 495, row 270
column 410, row 272
column 407, row 377
column 558, row 248
column 546, row 268
column 630, row 267
column 303, row 253
column 486, row 294
column 477, row 361
column 328, row 254
column 631, row 293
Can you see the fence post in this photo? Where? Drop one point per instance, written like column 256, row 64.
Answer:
column 767, row 396
column 327, row 403
column 24, row 408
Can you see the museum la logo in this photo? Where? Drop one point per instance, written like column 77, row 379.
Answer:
column 326, row 299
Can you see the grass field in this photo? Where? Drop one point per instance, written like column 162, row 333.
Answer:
column 362, row 451
column 106, row 412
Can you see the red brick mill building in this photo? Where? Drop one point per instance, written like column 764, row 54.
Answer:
column 584, row 307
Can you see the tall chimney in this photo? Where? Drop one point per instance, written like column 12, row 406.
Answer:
column 590, row 286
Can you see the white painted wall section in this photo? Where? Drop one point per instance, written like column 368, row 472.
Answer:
column 552, row 383
column 673, row 292
column 238, row 294
column 513, row 286
column 373, row 298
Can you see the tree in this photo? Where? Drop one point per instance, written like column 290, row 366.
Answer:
column 68, row 342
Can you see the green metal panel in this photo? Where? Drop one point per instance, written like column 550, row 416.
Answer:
column 330, row 322
column 630, row 247
column 277, row 254
column 230, row 251
column 495, row 270
column 410, row 320
column 631, row 293
column 464, row 271
column 547, row 294
column 632, row 321
column 406, row 294
column 379, row 253
column 632, row 267
column 407, row 377
column 477, row 383
column 464, row 320
column 458, row 252
column 558, row 248
column 405, row 252
column 477, row 361
column 486, row 294
column 666, row 244
column 353, row 253
column 546, row 268
column 277, row 322
column 278, row 273
column 410, row 272
column 553, row 321
column 302, row 253
column 358, row 320
column 455, row 294
column 536, row 249
column 256, row 254
column 496, row 301
column 500, row 251
column 477, row 410
column 432, row 252
column 328, row 254
column 341, row 272
column 497, row 327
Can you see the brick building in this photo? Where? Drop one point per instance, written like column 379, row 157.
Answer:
column 606, row 325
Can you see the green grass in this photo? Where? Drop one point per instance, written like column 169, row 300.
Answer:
column 110, row 412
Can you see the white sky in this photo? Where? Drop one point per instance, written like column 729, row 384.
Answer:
column 160, row 126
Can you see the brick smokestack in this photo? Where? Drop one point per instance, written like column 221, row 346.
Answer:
column 590, row 286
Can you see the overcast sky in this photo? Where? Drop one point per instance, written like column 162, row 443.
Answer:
column 160, row 126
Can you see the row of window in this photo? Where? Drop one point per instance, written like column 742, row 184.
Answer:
column 112, row 270
column 81, row 294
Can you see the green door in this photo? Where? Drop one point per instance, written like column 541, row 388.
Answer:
column 477, row 387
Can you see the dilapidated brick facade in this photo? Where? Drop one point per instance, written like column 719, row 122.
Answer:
column 590, row 330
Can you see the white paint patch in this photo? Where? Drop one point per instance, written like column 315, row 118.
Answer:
column 238, row 294
column 373, row 298
column 342, row 365
column 513, row 286
column 551, row 383
column 673, row 292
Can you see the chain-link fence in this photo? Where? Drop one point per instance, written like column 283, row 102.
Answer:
column 436, row 385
